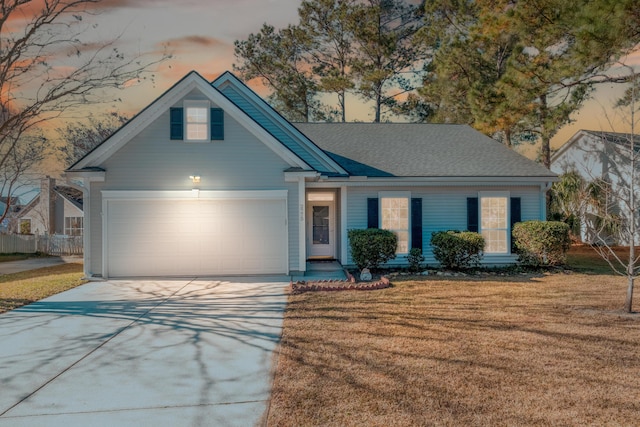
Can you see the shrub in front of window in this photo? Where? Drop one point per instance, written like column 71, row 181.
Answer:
column 415, row 259
column 542, row 242
column 372, row 247
column 457, row 249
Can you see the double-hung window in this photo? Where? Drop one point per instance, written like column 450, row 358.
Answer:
column 73, row 226
column 494, row 222
column 394, row 210
column 196, row 119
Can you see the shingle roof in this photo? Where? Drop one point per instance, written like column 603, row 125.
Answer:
column 418, row 150
column 615, row 137
column 71, row 194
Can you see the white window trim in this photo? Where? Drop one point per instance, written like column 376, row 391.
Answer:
column 197, row 104
column 67, row 229
column 507, row 195
column 397, row 195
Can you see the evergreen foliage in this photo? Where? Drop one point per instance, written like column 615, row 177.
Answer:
column 372, row 247
column 542, row 242
column 457, row 249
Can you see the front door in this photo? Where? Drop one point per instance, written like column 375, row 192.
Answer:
column 320, row 227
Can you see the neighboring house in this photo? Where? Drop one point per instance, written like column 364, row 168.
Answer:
column 210, row 180
column 597, row 155
column 58, row 209
column 15, row 205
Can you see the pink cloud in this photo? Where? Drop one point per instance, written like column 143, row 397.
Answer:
column 194, row 41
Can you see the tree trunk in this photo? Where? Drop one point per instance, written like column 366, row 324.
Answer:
column 545, row 149
column 507, row 137
column 343, row 109
column 628, row 303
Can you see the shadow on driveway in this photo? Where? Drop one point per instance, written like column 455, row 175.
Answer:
column 143, row 352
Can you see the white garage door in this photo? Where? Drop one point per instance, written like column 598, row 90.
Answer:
column 195, row 237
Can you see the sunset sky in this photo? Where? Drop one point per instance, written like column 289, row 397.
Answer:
column 199, row 34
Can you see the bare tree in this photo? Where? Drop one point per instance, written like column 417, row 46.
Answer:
column 47, row 71
column 626, row 151
column 83, row 136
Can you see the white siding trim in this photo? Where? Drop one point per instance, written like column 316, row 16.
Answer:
column 193, row 194
column 434, row 182
column 344, row 240
column 302, row 229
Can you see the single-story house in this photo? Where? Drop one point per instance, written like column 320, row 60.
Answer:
column 605, row 156
column 210, row 180
column 57, row 209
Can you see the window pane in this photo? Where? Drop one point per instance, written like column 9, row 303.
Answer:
column 495, row 241
column 403, row 242
column 395, row 217
column 494, row 212
column 493, row 223
column 196, row 131
column 197, row 126
column 196, row 115
column 320, row 225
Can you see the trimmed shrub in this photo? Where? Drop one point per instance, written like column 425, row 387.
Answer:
column 542, row 242
column 457, row 249
column 372, row 247
column 415, row 259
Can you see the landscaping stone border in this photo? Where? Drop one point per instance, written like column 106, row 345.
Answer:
column 350, row 284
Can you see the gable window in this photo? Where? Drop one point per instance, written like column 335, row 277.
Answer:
column 494, row 223
column 196, row 118
column 196, row 122
column 394, row 216
column 73, row 226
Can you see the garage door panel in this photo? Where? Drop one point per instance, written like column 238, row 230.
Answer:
column 196, row 237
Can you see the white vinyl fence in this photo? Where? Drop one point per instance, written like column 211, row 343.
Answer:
column 17, row 243
column 29, row 244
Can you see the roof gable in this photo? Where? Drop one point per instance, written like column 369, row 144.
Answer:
column 267, row 117
column 595, row 137
column 192, row 81
column 419, row 150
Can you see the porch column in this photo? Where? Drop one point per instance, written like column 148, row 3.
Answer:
column 302, row 230
column 343, row 225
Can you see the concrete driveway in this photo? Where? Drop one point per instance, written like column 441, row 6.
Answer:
column 143, row 353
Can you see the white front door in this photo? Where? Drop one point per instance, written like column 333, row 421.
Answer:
column 321, row 228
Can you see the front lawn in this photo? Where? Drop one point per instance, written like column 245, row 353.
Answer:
column 19, row 289
column 543, row 349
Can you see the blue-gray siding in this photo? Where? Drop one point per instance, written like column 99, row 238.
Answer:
column 443, row 208
column 151, row 161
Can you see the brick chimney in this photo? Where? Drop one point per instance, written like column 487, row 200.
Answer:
column 47, row 201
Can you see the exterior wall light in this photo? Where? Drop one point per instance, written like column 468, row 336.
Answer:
column 195, row 179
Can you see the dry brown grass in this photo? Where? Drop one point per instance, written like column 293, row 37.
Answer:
column 524, row 350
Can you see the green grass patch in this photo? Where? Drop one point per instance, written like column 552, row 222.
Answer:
column 585, row 259
column 23, row 288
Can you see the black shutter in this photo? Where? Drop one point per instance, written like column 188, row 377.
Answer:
column 217, row 124
column 176, row 123
column 372, row 213
column 516, row 216
column 472, row 214
column 416, row 223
